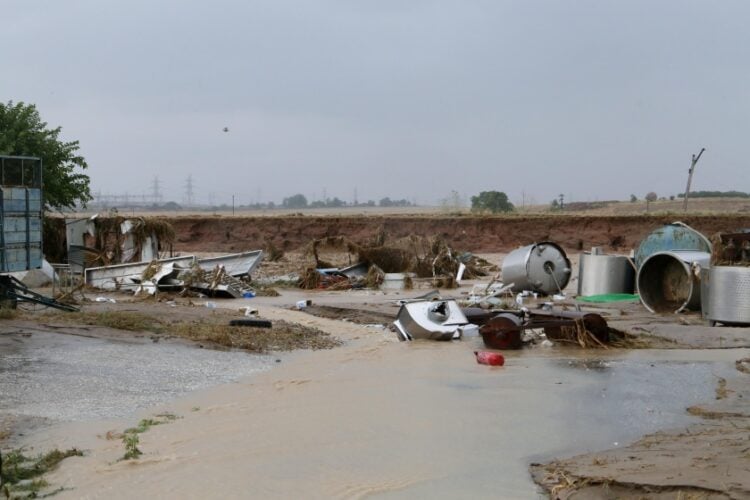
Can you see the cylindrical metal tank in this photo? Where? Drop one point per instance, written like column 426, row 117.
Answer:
column 600, row 274
column 705, row 291
column 670, row 281
column 728, row 297
column 675, row 236
column 540, row 267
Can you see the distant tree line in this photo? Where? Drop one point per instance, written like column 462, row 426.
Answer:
column 300, row 201
column 716, row 194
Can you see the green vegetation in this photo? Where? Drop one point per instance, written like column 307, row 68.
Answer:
column 716, row 194
column 23, row 133
column 387, row 202
column 296, row 201
column 22, row 475
column 300, row 201
column 130, row 436
column 491, row 201
column 131, row 440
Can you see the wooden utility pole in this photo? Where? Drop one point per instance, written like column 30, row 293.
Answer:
column 690, row 178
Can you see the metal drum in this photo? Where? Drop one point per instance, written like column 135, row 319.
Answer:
column 705, row 291
column 728, row 300
column 670, row 281
column 600, row 274
column 675, row 236
column 540, row 267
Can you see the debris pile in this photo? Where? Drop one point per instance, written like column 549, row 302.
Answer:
column 214, row 276
column 415, row 257
column 216, row 282
column 731, row 249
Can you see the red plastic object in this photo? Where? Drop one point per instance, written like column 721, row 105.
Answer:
column 489, row 358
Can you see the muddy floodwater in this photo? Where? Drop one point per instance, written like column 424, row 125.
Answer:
column 49, row 377
column 375, row 418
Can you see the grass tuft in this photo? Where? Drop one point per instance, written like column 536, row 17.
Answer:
column 130, row 436
column 22, row 475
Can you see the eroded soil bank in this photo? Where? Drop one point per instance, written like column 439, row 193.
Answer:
column 472, row 233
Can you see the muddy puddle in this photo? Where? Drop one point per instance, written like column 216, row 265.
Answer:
column 50, row 377
column 487, row 424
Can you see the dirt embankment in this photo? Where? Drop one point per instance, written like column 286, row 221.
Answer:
column 472, row 233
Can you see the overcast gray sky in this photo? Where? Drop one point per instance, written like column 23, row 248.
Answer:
column 402, row 98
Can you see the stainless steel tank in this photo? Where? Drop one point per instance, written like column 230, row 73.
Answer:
column 705, row 291
column 600, row 274
column 670, row 281
column 728, row 297
column 540, row 267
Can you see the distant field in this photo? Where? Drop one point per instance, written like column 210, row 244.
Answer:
column 610, row 208
column 695, row 206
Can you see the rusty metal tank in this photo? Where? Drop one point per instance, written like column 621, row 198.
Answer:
column 671, row 281
column 675, row 236
column 539, row 267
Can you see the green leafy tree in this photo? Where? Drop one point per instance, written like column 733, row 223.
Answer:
column 296, row 201
column 491, row 201
column 23, row 133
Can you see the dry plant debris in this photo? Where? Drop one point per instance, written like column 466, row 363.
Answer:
column 282, row 336
column 425, row 257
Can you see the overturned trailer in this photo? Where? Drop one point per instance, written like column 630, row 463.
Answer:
column 235, row 264
column 130, row 276
column 504, row 329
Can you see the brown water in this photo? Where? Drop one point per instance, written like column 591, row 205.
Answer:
column 379, row 418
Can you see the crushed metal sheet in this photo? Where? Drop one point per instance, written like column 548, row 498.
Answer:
column 433, row 320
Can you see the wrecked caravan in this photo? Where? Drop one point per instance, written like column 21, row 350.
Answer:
column 130, row 276
column 235, row 264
